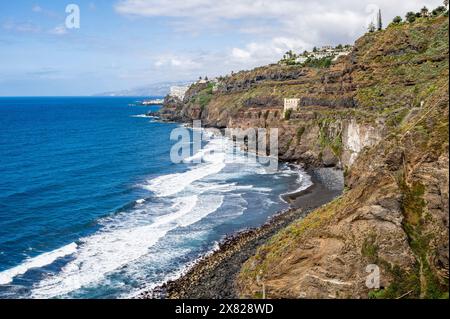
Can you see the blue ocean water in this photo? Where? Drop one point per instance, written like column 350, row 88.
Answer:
column 91, row 205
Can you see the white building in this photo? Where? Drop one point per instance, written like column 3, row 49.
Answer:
column 324, row 52
column 291, row 104
column 301, row 59
column 179, row 91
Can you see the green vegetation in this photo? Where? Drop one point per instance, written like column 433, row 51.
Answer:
column 421, row 281
column 281, row 243
column 300, row 132
column 410, row 17
column 287, row 115
column 370, row 249
column 414, row 207
column 205, row 96
column 397, row 20
column 318, row 63
column 289, row 58
column 330, row 137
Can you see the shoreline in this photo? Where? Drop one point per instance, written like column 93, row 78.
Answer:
column 213, row 275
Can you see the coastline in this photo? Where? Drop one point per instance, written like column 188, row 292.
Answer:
column 213, row 275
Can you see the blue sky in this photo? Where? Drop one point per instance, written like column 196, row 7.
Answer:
column 123, row 44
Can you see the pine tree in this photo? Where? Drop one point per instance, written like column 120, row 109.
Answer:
column 379, row 21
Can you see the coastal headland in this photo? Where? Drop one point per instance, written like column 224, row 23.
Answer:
column 380, row 114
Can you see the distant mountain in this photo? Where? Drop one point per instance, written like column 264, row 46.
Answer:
column 155, row 89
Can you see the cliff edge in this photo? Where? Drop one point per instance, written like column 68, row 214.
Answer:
column 381, row 114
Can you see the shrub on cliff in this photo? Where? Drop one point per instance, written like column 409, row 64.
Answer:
column 410, row 17
column 397, row 20
column 287, row 115
column 319, row 63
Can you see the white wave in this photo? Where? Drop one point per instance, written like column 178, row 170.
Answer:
column 40, row 261
column 168, row 185
column 172, row 184
column 303, row 180
column 142, row 116
column 111, row 248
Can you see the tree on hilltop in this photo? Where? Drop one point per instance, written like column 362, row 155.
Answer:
column 397, row 20
column 410, row 17
column 438, row 11
column 371, row 27
column 379, row 21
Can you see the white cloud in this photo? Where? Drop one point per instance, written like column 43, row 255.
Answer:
column 41, row 10
column 241, row 54
column 59, row 30
column 270, row 27
column 177, row 62
column 22, row 27
column 310, row 21
column 267, row 51
column 236, row 9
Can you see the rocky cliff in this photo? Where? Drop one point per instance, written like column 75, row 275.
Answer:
column 381, row 114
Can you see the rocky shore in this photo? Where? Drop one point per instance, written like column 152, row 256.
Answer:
column 213, row 276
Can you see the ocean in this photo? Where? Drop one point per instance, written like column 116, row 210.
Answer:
column 91, row 206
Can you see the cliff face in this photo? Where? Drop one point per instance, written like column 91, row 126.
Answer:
column 380, row 113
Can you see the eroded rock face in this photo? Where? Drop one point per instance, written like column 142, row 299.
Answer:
column 375, row 116
column 246, row 80
column 394, row 214
column 356, row 137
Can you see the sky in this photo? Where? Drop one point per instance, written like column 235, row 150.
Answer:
column 122, row 44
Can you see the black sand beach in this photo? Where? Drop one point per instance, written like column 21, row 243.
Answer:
column 213, row 276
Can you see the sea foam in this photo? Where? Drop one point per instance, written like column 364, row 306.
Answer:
column 111, row 249
column 7, row 276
